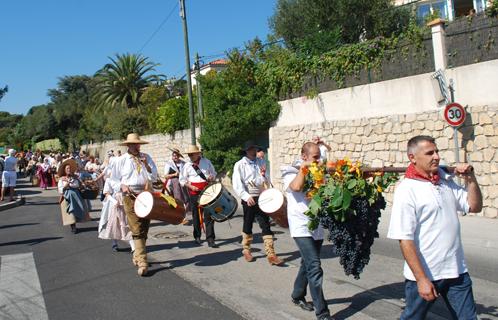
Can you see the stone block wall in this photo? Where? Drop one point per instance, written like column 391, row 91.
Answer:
column 381, row 141
column 157, row 147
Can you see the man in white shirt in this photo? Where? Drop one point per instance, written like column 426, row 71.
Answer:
column 425, row 221
column 135, row 171
column 248, row 181
column 309, row 243
column 195, row 175
column 9, row 175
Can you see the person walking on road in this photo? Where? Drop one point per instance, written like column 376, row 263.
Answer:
column 249, row 179
column 172, row 170
column 309, row 242
column 425, row 221
column 73, row 206
column 9, row 175
column 195, row 175
column 135, row 171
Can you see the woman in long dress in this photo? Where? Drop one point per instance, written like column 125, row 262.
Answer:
column 113, row 223
column 43, row 173
column 73, row 207
column 172, row 171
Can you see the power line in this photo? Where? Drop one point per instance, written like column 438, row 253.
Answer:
column 158, row 28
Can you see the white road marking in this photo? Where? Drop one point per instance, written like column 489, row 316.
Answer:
column 20, row 290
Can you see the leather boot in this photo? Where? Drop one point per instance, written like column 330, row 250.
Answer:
column 140, row 257
column 270, row 251
column 246, row 245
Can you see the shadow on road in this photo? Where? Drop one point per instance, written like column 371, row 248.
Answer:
column 29, row 241
column 18, row 225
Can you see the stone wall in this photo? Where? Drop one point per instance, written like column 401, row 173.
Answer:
column 157, row 147
column 381, row 141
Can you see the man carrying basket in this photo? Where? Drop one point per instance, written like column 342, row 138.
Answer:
column 248, row 180
column 135, row 171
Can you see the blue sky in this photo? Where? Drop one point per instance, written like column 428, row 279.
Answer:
column 41, row 41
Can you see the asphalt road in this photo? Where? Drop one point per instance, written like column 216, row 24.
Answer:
column 81, row 278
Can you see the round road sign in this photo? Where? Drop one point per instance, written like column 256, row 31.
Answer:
column 454, row 114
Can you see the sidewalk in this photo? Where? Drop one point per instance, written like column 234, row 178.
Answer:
column 259, row 291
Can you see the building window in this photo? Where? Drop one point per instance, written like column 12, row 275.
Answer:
column 430, row 7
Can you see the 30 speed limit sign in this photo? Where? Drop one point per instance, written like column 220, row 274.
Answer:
column 454, row 114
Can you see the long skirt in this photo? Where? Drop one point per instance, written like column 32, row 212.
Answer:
column 113, row 222
column 179, row 192
column 69, row 218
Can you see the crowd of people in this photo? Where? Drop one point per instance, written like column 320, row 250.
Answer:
column 424, row 214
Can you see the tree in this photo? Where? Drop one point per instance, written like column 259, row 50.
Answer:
column 70, row 100
column 236, row 109
column 3, row 91
column 317, row 26
column 122, row 82
column 173, row 115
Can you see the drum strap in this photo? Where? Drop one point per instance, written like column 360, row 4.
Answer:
column 199, row 172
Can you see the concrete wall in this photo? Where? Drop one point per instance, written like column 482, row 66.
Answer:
column 372, row 123
column 473, row 84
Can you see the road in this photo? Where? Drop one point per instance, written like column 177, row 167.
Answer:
column 81, row 278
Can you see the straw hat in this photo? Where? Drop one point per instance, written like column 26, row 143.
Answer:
column 193, row 149
column 133, row 138
column 251, row 144
column 176, row 150
column 71, row 162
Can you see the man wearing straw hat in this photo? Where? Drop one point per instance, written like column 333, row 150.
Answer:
column 248, row 180
column 135, row 171
column 195, row 175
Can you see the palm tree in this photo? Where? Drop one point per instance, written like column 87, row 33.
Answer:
column 122, row 82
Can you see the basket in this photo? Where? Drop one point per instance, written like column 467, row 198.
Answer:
column 89, row 194
column 35, row 182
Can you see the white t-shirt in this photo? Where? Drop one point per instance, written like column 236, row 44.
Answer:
column 297, row 205
column 427, row 214
column 323, row 152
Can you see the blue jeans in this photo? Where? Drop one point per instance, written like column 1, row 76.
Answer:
column 457, row 294
column 310, row 273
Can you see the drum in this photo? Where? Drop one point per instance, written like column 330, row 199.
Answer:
column 154, row 206
column 218, row 202
column 273, row 203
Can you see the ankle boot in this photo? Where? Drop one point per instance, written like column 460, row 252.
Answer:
column 140, row 257
column 270, row 251
column 246, row 245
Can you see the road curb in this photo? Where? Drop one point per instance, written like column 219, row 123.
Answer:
column 9, row 205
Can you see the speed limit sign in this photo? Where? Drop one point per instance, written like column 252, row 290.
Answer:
column 454, row 114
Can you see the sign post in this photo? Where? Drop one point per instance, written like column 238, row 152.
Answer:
column 454, row 114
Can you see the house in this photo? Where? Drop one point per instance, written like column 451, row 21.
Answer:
column 216, row 65
column 448, row 9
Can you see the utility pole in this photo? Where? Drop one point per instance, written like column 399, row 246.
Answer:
column 183, row 15
column 199, row 92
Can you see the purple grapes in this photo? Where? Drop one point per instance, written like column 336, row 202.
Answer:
column 353, row 238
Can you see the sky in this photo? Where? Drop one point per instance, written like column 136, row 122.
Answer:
column 41, row 41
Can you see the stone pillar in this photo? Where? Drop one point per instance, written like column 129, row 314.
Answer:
column 438, row 43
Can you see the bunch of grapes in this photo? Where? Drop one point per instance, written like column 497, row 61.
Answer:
column 353, row 238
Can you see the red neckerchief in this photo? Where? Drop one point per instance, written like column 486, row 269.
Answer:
column 412, row 173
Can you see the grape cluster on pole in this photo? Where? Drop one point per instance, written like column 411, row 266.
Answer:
column 353, row 238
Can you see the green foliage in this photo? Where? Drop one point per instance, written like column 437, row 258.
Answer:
column 48, row 145
column 152, row 98
column 8, row 123
column 316, row 26
column 173, row 115
column 236, row 107
column 492, row 9
column 122, row 82
column 3, row 91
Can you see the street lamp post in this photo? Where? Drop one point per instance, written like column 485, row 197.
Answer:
column 183, row 15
